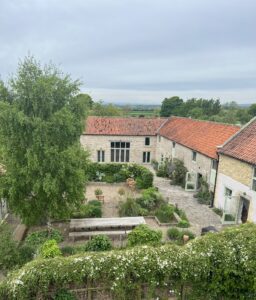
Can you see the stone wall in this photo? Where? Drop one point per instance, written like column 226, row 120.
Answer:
column 236, row 169
column 202, row 165
column 236, row 176
column 102, row 142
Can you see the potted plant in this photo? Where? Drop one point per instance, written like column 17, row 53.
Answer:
column 98, row 193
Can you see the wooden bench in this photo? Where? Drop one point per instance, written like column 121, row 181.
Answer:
column 88, row 234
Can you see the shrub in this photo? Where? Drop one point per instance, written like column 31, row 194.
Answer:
column 218, row 211
column 179, row 172
column 37, row 238
column 188, row 233
column 121, row 192
column 129, row 208
column 98, row 192
column 163, row 169
column 177, row 235
column 181, row 213
column 64, row 295
column 109, row 179
column 154, row 164
column 67, row 250
column 229, row 217
column 145, row 180
column 9, row 255
column 173, row 233
column 165, row 213
column 93, row 209
column 204, row 196
column 26, row 254
column 142, row 234
column 150, row 199
column 119, row 172
column 183, row 224
column 49, row 249
column 98, row 243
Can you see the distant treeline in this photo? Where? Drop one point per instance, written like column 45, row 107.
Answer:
column 207, row 109
column 197, row 108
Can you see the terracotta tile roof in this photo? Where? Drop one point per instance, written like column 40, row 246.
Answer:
column 243, row 145
column 201, row 136
column 123, row 126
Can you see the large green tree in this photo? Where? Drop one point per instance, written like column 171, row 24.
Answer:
column 41, row 120
column 252, row 110
column 171, row 106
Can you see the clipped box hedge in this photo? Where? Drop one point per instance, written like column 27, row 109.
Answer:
column 215, row 266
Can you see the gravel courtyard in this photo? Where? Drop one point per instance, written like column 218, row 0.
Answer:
column 199, row 215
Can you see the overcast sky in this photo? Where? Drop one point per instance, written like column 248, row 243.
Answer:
column 138, row 51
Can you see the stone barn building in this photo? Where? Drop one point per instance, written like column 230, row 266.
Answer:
column 141, row 140
column 236, row 183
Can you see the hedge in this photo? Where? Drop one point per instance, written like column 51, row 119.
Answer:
column 215, row 266
column 118, row 172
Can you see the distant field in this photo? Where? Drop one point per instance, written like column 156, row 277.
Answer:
column 146, row 113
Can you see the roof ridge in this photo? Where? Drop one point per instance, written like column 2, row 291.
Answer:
column 205, row 121
column 129, row 117
column 238, row 132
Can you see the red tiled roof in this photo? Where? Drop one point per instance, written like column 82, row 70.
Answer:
column 201, row 136
column 243, row 145
column 123, row 126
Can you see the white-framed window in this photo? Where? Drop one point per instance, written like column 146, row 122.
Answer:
column 254, row 179
column 147, row 141
column 146, row 157
column 159, row 138
column 194, row 154
column 100, row 155
column 120, row 151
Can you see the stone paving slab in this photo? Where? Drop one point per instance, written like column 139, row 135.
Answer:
column 198, row 215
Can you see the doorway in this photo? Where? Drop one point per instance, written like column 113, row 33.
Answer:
column 199, row 180
column 244, row 209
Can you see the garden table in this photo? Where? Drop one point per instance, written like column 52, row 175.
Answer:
column 105, row 223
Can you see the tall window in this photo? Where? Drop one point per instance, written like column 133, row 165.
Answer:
column 147, row 141
column 159, row 138
column 173, row 144
column 120, row 151
column 194, row 155
column 101, row 155
column 146, row 157
column 254, row 180
column 214, row 164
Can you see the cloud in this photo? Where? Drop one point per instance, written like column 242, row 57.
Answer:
column 138, row 47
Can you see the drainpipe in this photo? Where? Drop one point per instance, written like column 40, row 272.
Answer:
column 215, row 183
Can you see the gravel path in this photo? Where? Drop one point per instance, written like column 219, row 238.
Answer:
column 199, row 215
